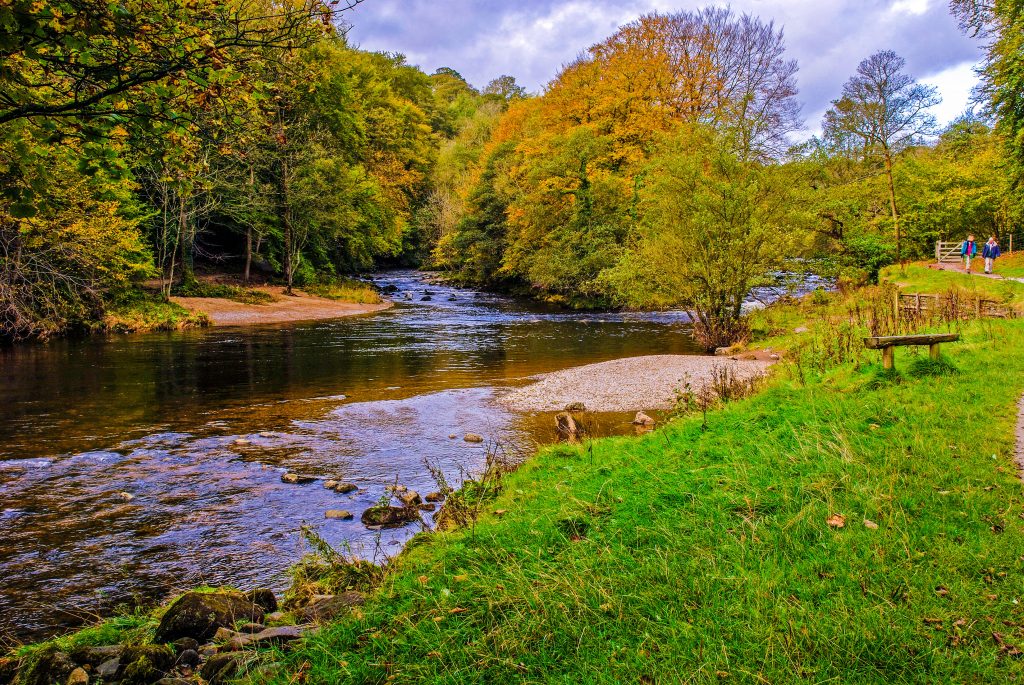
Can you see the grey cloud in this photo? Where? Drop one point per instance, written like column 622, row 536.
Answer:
column 532, row 39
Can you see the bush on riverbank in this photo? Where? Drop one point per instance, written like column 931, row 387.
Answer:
column 345, row 290
column 142, row 312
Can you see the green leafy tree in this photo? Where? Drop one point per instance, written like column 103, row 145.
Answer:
column 713, row 228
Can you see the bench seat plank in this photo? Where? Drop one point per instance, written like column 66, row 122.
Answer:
column 881, row 342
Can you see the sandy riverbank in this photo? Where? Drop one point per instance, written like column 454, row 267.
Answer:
column 631, row 384
column 285, row 309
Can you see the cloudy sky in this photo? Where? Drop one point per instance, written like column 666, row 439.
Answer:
column 532, row 39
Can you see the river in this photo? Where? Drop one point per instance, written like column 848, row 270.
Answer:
column 121, row 480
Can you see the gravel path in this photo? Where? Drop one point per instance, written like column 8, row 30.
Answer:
column 1020, row 437
column 631, row 384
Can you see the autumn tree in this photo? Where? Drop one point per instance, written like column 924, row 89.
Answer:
column 885, row 111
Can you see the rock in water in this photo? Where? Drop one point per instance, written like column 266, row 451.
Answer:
column 434, row 497
column 642, row 419
column 389, row 517
column 576, row 407
column 566, row 426
column 473, row 437
column 199, row 614
column 410, row 498
column 296, row 479
column 344, row 488
column 340, row 514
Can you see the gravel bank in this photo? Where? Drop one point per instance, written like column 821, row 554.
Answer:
column 285, row 309
column 631, row 384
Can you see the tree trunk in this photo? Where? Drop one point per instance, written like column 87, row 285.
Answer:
column 286, row 220
column 892, row 204
column 248, row 229
column 248, row 254
column 188, row 274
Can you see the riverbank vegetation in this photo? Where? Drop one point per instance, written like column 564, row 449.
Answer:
column 658, row 169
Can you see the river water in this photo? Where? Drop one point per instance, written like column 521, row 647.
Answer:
column 121, row 481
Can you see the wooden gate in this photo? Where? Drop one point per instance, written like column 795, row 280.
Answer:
column 946, row 252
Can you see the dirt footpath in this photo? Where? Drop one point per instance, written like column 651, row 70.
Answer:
column 287, row 308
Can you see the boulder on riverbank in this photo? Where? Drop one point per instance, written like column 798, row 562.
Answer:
column 199, row 614
column 389, row 517
column 326, row 607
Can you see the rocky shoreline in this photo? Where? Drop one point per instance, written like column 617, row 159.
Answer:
column 207, row 637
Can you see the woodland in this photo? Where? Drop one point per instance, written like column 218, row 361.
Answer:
column 144, row 142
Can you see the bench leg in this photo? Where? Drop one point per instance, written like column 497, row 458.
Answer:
column 933, row 351
column 887, row 358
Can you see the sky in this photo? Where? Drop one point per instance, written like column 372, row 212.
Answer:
column 532, row 39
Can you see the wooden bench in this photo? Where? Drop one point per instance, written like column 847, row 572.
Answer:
column 888, row 342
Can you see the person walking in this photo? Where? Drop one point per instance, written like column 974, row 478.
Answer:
column 990, row 252
column 968, row 250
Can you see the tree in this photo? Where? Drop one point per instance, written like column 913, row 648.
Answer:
column 887, row 112
column 505, row 88
column 714, row 226
column 84, row 60
column 1001, row 23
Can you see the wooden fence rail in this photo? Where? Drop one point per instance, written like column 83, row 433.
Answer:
column 962, row 308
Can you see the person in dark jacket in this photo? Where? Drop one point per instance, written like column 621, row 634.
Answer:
column 967, row 251
column 990, row 252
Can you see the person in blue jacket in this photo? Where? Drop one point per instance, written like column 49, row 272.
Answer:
column 990, row 252
column 968, row 250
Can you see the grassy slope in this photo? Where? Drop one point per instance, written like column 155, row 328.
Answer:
column 1011, row 265
column 707, row 556
column 918, row 278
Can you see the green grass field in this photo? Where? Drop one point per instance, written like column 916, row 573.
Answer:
column 918, row 278
column 695, row 555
